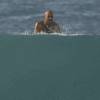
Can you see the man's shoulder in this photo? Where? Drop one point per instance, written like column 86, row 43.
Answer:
column 39, row 22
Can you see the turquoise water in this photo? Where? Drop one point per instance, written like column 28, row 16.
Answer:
column 49, row 68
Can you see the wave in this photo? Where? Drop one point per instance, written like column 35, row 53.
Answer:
column 58, row 34
column 66, row 30
column 27, row 33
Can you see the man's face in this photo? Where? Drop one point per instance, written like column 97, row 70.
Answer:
column 49, row 17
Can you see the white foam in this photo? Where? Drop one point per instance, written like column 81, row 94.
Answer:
column 58, row 34
column 48, row 34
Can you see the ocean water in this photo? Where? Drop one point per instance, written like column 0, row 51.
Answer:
column 49, row 67
column 56, row 66
column 74, row 16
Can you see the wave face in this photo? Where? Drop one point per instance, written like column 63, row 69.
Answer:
column 49, row 68
column 74, row 17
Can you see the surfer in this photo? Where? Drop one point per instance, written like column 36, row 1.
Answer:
column 48, row 25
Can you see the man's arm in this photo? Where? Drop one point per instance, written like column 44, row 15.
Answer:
column 38, row 27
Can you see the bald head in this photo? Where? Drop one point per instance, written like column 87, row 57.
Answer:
column 48, row 12
column 48, row 17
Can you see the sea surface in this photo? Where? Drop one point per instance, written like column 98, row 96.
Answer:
column 74, row 16
column 56, row 66
column 49, row 67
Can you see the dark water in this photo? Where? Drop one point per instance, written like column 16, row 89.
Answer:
column 74, row 16
column 49, row 68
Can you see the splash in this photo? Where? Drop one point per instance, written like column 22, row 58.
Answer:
column 66, row 30
column 58, row 34
column 26, row 33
